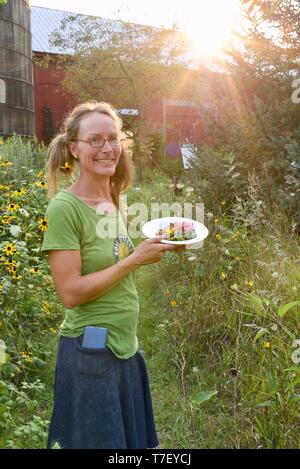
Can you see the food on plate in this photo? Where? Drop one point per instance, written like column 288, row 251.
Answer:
column 178, row 231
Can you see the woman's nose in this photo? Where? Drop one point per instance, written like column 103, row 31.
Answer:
column 107, row 147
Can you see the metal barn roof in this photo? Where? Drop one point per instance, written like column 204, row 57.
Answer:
column 45, row 20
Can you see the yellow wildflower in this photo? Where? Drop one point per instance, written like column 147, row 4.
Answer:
column 267, row 344
column 218, row 237
column 42, row 184
column 17, row 276
column 249, row 283
column 224, row 276
column 13, row 207
column 34, row 270
column 173, row 304
column 9, row 249
column 10, row 263
column 67, row 167
column 6, row 219
column 43, row 224
column 19, row 192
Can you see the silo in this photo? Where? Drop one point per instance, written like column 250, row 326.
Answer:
column 16, row 82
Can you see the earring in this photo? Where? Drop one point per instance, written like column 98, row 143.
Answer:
column 75, row 156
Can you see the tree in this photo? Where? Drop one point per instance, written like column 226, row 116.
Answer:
column 253, row 111
column 254, row 114
column 123, row 63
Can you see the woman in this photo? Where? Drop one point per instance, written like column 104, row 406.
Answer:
column 101, row 398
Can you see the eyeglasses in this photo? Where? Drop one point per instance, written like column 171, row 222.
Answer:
column 100, row 142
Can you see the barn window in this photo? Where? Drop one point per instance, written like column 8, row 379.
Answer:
column 2, row 92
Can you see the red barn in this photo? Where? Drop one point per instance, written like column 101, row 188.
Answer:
column 179, row 121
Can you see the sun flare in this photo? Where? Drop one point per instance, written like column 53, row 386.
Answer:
column 210, row 29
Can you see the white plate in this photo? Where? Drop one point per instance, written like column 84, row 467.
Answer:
column 151, row 228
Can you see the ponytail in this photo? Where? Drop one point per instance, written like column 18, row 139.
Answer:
column 59, row 158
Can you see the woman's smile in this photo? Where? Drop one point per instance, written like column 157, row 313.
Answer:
column 105, row 161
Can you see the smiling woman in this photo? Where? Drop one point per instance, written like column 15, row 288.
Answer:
column 102, row 397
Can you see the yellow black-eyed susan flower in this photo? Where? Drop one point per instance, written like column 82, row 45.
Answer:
column 9, row 249
column 34, row 270
column 19, row 192
column 67, row 168
column 10, row 262
column 13, row 207
column 41, row 184
column 6, row 219
column 17, row 276
column 43, row 224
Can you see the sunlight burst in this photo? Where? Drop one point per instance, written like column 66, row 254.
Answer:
column 210, row 29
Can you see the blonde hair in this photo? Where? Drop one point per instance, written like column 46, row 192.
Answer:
column 58, row 153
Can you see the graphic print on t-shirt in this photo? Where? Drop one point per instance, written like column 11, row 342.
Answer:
column 123, row 247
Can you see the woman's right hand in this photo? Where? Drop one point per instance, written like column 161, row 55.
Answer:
column 152, row 250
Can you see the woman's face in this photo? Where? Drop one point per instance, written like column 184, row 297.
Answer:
column 97, row 161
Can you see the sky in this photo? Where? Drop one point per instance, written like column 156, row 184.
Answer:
column 208, row 23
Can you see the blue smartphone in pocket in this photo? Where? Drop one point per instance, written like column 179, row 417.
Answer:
column 95, row 337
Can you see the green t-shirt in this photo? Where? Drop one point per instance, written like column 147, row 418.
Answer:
column 103, row 241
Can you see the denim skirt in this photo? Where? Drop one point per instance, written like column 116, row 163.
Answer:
column 100, row 401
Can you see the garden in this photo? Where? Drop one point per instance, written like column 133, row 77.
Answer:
column 221, row 323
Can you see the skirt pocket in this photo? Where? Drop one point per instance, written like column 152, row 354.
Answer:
column 93, row 362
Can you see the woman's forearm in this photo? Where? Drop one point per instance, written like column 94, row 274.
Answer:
column 89, row 287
